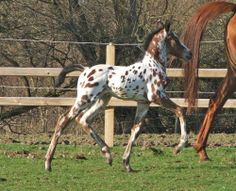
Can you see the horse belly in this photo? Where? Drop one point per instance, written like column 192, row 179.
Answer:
column 132, row 89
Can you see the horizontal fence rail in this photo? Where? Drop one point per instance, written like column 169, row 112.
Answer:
column 114, row 102
column 53, row 72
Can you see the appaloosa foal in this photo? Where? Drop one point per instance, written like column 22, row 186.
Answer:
column 143, row 81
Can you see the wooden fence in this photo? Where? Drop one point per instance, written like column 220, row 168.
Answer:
column 109, row 113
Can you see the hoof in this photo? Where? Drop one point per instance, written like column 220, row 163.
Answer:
column 180, row 147
column 203, row 156
column 109, row 160
column 176, row 150
column 129, row 169
column 48, row 166
column 127, row 166
column 106, row 152
column 201, row 152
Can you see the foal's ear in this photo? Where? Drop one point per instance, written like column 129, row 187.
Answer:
column 159, row 24
column 167, row 26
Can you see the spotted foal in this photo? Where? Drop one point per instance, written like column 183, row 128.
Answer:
column 143, row 82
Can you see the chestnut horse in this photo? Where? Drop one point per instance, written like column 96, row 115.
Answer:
column 191, row 37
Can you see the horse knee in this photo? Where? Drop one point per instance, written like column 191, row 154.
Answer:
column 79, row 119
column 179, row 112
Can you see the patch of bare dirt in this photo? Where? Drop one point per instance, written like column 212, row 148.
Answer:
column 144, row 140
column 23, row 153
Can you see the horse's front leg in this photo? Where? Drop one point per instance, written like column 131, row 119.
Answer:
column 184, row 137
column 141, row 112
column 170, row 105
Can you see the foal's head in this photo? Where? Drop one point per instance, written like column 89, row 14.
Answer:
column 176, row 48
column 163, row 41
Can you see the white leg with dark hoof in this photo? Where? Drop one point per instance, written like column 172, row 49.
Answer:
column 184, row 136
column 127, row 165
column 170, row 105
column 107, row 154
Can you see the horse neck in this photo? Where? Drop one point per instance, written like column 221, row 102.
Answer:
column 149, row 59
column 157, row 49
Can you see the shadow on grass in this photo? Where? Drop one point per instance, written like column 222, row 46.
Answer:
column 3, row 179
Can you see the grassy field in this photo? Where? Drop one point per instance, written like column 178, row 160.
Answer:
column 83, row 168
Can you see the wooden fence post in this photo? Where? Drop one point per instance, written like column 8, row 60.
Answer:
column 109, row 113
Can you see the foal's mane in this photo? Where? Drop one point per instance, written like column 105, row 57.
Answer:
column 192, row 36
column 150, row 36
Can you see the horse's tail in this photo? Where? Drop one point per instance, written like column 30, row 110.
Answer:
column 67, row 69
column 192, row 36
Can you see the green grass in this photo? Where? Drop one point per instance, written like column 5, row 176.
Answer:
column 156, row 169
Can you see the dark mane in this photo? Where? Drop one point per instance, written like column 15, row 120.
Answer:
column 149, row 37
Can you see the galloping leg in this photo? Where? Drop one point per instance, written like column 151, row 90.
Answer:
column 85, row 117
column 62, row 122
column 170, row 105
column 142, row 109
column 227, row 87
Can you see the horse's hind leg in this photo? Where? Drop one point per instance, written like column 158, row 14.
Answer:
column 62, row 122
column 170, row 105
column 227, row 87
column 84, row 119
column 141, row 112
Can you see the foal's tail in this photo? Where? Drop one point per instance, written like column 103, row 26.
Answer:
column 67, row 69
column 191, row 38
